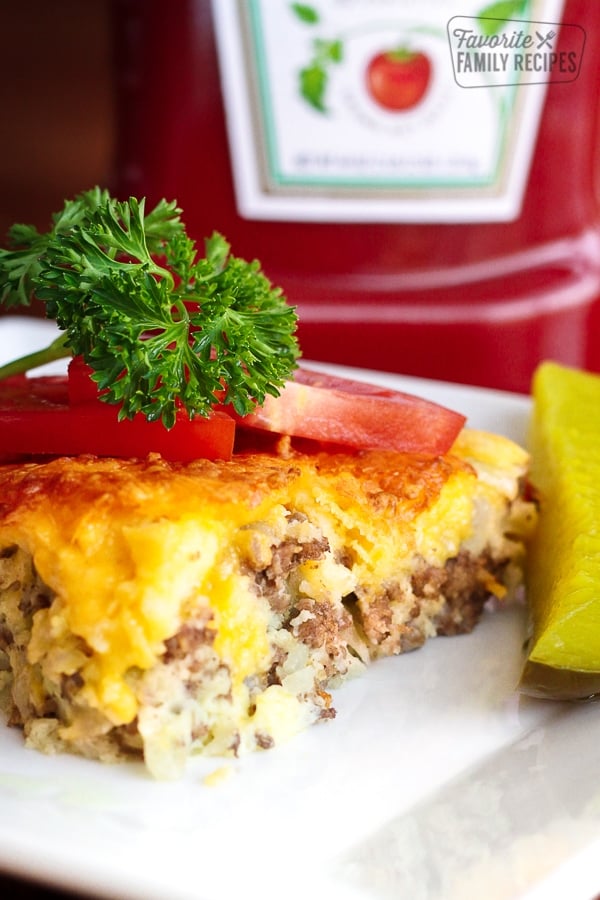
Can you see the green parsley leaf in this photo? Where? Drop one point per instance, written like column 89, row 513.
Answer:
column 161, row 328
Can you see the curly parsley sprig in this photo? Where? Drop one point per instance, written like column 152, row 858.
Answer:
column 161, row 328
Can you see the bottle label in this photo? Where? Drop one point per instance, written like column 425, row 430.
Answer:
column 355, row 111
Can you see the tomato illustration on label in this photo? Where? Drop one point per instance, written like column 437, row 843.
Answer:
column 397, row 80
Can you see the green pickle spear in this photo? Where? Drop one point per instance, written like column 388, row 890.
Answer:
column 563, row 654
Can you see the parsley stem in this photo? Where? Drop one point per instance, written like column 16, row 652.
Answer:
column 58, row 349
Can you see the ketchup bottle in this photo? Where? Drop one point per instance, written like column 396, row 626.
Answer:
column 422, row 185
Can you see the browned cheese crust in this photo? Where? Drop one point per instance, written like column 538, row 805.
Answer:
column 163, row 610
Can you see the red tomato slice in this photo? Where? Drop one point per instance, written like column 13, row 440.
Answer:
column 82, row 389
column 35, row 419
column 354, row 414
column 25, row 392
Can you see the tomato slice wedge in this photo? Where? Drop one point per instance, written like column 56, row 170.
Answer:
column 82, row 389
column 36, row 420
column 351, row 413
column 26, row 391
column 56, row 415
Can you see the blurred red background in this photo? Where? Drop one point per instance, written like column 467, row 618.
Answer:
column 57, row 105
column 57, row 96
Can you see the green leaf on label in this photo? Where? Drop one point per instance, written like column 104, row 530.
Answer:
column 306, row 13
column 313, row 81
column 493, row 18
column 329, row 51
column 314, row 77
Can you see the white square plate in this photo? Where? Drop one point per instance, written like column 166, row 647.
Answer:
column 436, row 779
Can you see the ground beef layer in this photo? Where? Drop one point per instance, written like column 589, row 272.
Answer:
column 156, row 611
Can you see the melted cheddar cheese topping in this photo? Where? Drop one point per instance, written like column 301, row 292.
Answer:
column 132, row 549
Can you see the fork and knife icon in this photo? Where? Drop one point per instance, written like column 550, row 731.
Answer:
column 545, row 40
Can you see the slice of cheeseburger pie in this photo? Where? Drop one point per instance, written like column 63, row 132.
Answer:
column 160, row 610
